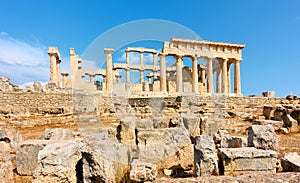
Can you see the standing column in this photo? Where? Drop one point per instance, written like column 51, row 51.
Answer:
column 127, row 70
column 141, row 71
column 53, row 69
column 154, row 63
column 219, row 87
column 163, row 79
column 203, row 80
column 109, row 71
column 237, row 77
column 64, row 79
column 194, row 75
column 224, row 75
column 58, row 73
column 179, row 66
column 228, row 78
column 209, row 76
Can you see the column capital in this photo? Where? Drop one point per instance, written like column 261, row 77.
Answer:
column 162, row 55
column 108, row 51
column 65, row 74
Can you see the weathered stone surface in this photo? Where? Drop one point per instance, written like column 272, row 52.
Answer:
column 159, row 122
column 276, row 124
column 6, row 168
column 192, row 123
column 126, row 131
column 167, row 148
column 205, row 156
column 57, row 162
column 263, row 137
column 27, row 155
column 279, row 110
column 144, row 123
column 291, row 162
column 291, row 97
column 222, row 139
column 11, row 139
column 268, row 94
column 237, row 161
column 58, row 134
column 290, row 123
column 141, row 171
column 268, row 111
column 203, row 124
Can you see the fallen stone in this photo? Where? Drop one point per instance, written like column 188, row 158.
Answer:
column 270, row 94
column 141, row 171
column 247, row 160
column 11, row 139
column 290, row 123
column 126, row 131
column 263, row 137
column 27, row 155
column 276, row 124
column 205, row 156
column 291, row 162
column 268, row 111
column 57, row 162
column 283, row 130
column 192, row 123
column 159, row 122
column 58, row 134
column 222, row 139
column 144, row 123
column 291, row 97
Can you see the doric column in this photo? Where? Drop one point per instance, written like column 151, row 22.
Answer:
column 224, row 75
column 154, row 63
column 64, row 79
column 179, row 66
column 203, row 75
column 109, row 71
column 163, row 79
column 194, row 75
column 58, row 72
column 104, row 84
column 53, row 69
column 141, row 71
column 228, row 78
column 92, row 78
column 118, row 78
column 219, row 87
column 127, row 70
column 210, row 88
column 237, row 77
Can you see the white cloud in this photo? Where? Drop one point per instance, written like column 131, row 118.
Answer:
column 13, row 51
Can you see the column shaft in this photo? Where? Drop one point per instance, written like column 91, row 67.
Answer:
column 141, row 71
column 219, row 87
column 194, row 75
column 163, row 79
column 154, row 63
column 58, row 73
column 224, row 75
column 237, row 78
column 209, row 76
column 228, row 78
column 127, row 70
column 179, row 81
column 109, row 71
column 53, row 69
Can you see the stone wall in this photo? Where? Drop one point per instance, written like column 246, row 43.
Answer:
column 35, row 103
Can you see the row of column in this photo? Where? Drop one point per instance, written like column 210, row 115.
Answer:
column 222, row 87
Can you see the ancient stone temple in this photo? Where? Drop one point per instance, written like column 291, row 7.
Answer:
column 162, row 79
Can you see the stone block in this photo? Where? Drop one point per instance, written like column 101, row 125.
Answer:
column 58, row 134
column 192, row 123
column 238, row 161
column 290, row 123
column 141, row 171
column 222, row 139
column 263, row 137
column 27, row 155
column 276, row 124
column 205, row 156
column 268, row 111
column 126, row 131
column 291, row 162
column 270, row 94
column 6, row 168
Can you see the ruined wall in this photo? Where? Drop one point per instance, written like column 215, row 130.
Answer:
column 35, row 103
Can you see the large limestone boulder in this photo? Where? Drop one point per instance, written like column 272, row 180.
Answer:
column 263, row 137
column 141, row 171
column 27, row 155
column 247, row 160
column 276, row 124
column 290, row 122
column 205, row 156
column 291, row 162
column 58, row 162
column 167, row 148
column 222, row 139
column 268, row 111
column 6, row 168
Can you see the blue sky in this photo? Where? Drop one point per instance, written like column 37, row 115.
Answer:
column 270, row 29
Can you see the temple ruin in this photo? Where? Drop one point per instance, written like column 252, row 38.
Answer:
column 162, row 79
